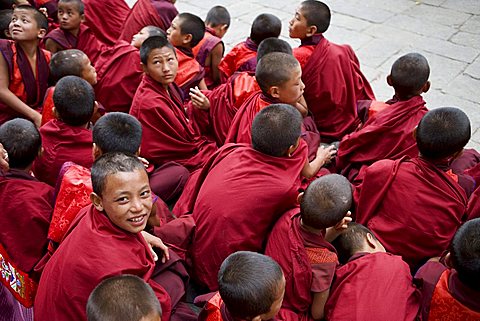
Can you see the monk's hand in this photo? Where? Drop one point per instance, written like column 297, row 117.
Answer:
column 44, row 11
column 144, row 161
column 37, row 119
column 154, row 241
column 3, row 159
column 326, row 153
column 199, row 100
column 333, row 232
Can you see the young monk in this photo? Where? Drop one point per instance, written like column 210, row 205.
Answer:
column 209, row 51
column 123, row 298
column 372, row 284
column 21, row 90
column 242, row 56
column 414, row 205
column 331, row 73
column 105, row 241
column 73, row 33
column 185, row 33
column 388, row 131
column 68, row 137
column 5, row 18
column 450, row 290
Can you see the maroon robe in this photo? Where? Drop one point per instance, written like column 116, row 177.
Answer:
column 93, row 250
column 189, row 73
column 203, row 49
column 333, row 84
column 167, row 133
column 413, row 207
column 387, row 135
column 159, row 13
column 242, row 57
column 373, row 287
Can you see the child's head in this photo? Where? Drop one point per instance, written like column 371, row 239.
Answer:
column 70, row 14
column 187, row 30
column 272, row 44
column 276, row 130
column 356, row 239
column 22, row 141
column 121, row 190
column 74, row 100
column 326, row 201
column 218, row 18
column 251, row 285
column 123, row 298
column 265, row 26
column 27, row 24
column 144, row 33
column 117, row 132
column 409, row 76
column 72, row 62
column 465, row 253
column 5, row 18
column 279, row 75
column 442, row 133
column 310, row 18
column 159, row 60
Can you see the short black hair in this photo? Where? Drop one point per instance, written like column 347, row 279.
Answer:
column 275, row 69
column 248, row 283
column 122, row 298
column 74, row 100
column 317, row 14
column 193, row 25
column 409, row 74
column 79, row 3
column 110, row 164
column 5, row 18
column 326, row 201
column 117, row 132
column 351, row 241
column 218, row 16
column 152, row 43
column 155, row 31
column 265, row 26
column 272, row 44
column 67, row 63
column 22, row 141
column 442, row 132
column 275, row 128
column 38, row 16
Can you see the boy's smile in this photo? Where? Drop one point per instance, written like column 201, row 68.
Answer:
column 23, row 25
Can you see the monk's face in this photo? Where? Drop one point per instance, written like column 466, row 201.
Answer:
column 277, row 304
column 88, row 71
column 139, row 38
column 298, row 26
column 23, row 26
column 290, row 91
column 174, row 33
column 162, row 65
column 69, row 16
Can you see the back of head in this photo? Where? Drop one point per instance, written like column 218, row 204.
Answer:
column 67, row 63
column 317, row 14
column 272, row 44
column 442, row 132
column 74, row 100
column 117, row 132
column 248, row 283
column 326, row 201
column 217, row 16
column 409, row 74
column 122, row 298
column 265, row 26
column 275, row 129
column 155, row 31
column 78, row 3
column 152, row 43
column 274, row 69
column 22, row 141
column 5, row 18
column 351, row 241
column 39, row 17
column 465, row 253
column 192, row 24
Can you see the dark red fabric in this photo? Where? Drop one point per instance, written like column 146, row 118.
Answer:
column 93, row 250
column 333, row 84
column 203, row 49
column 119, row 73
column 62, row 143
column 387, row 135
column 47, row 109
column 189, row 73
column 474, row 205
column 159, row 13
column 237, row 198
column 237, row 58
column 167, row 133
column 373, row 287
column 413, row 207
column 168, row 180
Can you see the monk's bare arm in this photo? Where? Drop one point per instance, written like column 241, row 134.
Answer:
column 324, row 155
column 52, row 46
column 318, row 304
column 216, row 57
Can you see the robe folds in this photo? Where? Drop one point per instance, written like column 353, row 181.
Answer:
column 242, row 57
column 48, row 105
column 189, row 73
column 333, row 84
column 203, row 49
column 412, row 206
column 93, row 250
column 375, row 287
column 167, row 133
column 237, row 198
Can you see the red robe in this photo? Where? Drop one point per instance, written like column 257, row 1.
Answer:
column 47, row 109
column 62, row 143
column 387, row 135
column 167, row 133
column 242, row 57
column 159, row 13
column 189, row 73
column 413, row 207
column 93, row 250
column 237, row 198
column 203, row 49
column 333, row 84
column 119, row 73
column 374, row 287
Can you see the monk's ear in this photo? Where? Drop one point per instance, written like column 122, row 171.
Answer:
column 448, row 260
column 144, row 68
column 257, row 318
column 82, row 18
column 389, row 80
column 274, row 91
column 311, row 31
column 300, row 197
column 426, row 87
column 96, row 151
column 293, row 148
column 187, row 38
column 40, row 151
column 7, row 33
column 96, row 201
column 41, row 33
